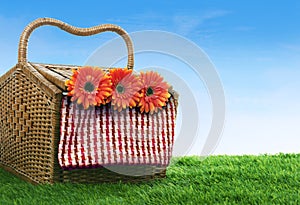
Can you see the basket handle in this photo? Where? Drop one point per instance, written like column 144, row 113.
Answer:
column 22, row 52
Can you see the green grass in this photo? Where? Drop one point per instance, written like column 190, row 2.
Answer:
column 265, row 179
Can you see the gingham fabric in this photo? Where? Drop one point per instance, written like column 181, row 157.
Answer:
column 101, row 136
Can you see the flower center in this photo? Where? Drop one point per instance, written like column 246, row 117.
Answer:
column 89, row 87
column 120, row 88
column 149, row 91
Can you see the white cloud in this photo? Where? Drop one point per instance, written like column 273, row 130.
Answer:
column 215, row 14
column 186, row 23
column 245, row 28
column 182, row 23
column 264, row 59
column 136, row 22
column 292, row 47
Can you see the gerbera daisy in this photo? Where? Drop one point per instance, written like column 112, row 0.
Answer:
column 89, row 86
column 154, row 92
column 71, row 83
column 126, row 88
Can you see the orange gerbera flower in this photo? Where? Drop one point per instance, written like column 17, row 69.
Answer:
column 154, row 92
column 89, row 86
column 126, row 87
column 71, row 83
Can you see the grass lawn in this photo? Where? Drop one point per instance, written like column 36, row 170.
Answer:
column 265, row 179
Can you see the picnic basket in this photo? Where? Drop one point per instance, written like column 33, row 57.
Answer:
column 38, row 137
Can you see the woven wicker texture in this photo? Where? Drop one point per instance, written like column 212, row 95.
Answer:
column 26, row 129
column 30, row 122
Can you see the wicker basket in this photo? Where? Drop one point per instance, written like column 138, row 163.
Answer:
column 34, row 110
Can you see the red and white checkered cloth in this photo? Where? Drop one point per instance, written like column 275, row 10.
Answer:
column 100, row 136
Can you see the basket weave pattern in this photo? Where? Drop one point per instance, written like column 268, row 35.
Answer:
column 26, row 127
column 46, row 139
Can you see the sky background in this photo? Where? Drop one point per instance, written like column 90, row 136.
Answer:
column 254, row 45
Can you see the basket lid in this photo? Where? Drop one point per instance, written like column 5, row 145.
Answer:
column 56, row 74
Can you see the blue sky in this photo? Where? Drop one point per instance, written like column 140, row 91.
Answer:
column 254, row 45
